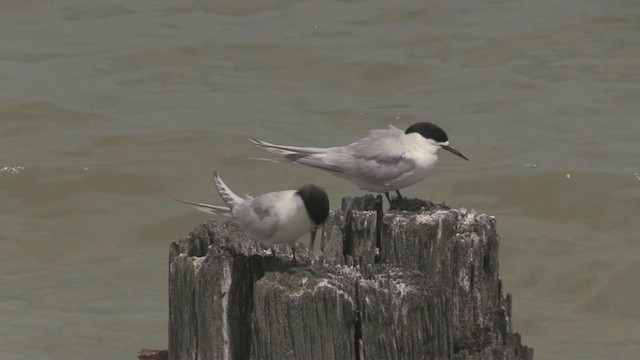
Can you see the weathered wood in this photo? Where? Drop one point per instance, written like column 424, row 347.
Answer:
column 201, row 287
column 458, row 249
column 308, row 313
column 362, row 230
column 210, row 290
column 149, row 354
column 332, row 242
column 404, row 316
column 425, row 285
column 352, row 234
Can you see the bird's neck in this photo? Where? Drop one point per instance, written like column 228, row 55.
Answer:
column 419, row 144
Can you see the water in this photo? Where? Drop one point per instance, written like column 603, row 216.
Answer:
column 110, row 109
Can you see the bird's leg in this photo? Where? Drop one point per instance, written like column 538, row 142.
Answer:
column 386, row 193
column 399, row 196
column 293, row 250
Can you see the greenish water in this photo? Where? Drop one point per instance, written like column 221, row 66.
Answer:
column 110, row 109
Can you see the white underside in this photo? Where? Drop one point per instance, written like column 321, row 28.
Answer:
column 417, row 175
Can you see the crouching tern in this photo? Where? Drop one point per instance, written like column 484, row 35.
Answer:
column 386, row 160
column 275, row 217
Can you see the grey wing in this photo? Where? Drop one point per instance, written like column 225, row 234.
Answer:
column 381, row 170
column 258, row 216
column 379, row 158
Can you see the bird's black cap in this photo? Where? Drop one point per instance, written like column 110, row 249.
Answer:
column 316, row 202
column 428, row 131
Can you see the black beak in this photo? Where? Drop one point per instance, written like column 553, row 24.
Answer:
column 451, row 149
column 313, row 238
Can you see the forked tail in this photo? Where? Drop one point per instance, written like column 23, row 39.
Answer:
column 310, row 156
column 228, row 196
column 209, row 209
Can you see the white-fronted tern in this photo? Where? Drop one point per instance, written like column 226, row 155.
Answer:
column 275, row 217
column 386, row 160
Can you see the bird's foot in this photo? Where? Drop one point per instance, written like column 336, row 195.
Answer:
column 396, row 199
column 397, row 202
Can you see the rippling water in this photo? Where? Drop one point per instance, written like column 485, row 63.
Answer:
column 111, row 109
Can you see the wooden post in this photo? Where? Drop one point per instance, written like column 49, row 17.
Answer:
column 419, row 282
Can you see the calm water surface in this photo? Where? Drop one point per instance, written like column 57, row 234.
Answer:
column 110, row 109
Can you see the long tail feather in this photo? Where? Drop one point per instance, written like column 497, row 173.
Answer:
column 266, row 159
column 301, row 155
column 209, row 209
column 302, row 150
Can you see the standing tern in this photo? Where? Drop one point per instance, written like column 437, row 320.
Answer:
column 275, row 217
column 386, row 160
